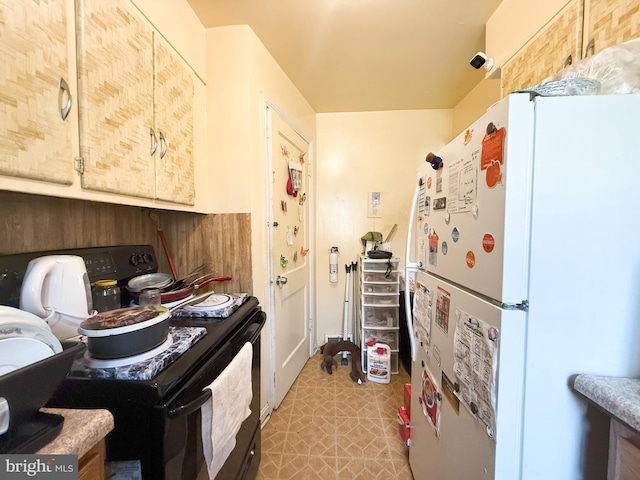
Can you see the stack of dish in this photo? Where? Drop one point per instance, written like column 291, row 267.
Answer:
column 24, row 339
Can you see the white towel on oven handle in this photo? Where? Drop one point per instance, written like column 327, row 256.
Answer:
column 227, row 408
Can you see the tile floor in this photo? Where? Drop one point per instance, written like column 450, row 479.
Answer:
column 329, row 427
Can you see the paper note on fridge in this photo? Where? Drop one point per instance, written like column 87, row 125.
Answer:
column 422, row 314
column 475, row 351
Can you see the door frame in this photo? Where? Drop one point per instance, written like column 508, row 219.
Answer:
column 269, row 107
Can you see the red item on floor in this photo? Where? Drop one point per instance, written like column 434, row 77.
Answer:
column 407, row 398
column 404, row 426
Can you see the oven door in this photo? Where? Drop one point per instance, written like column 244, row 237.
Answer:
column 183, row 457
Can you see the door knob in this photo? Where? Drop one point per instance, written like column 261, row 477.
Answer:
column 281, row 280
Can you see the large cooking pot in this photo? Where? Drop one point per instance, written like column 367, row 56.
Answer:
column 183, row 293
column 129, row 331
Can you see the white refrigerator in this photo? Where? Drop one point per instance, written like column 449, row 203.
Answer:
column 525, row 246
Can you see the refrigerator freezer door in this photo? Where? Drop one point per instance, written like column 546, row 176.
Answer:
column 463, row 233
column 467, row 385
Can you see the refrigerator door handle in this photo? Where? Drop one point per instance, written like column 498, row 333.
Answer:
column 407, row 272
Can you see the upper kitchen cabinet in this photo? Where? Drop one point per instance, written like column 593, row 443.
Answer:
column 35, row 100
column 609, row 22
column 580, row 29
column 135, row 107
column 173, row 119
column 557, row 45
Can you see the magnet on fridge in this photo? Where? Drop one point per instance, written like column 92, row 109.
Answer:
column 283, row 261
column 471, row 259
column 445, row 248
column 468, row 135
column 455, row 234
column 447, row 218
column 289, row 237
column 488, row 242
column 295, row 256
column 283, row 205
column 295, row 231
column 434, row 160
column 304, row 251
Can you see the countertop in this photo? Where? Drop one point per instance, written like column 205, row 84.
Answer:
column 81, row 430
column 619, row 397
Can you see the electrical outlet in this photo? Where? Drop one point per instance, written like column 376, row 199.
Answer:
column 374, row 204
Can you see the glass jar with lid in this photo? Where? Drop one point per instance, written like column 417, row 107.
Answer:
column 105, row 295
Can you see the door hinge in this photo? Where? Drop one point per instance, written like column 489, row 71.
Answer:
column 524, row 306
column 79, row 165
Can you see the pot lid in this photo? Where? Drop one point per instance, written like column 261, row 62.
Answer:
column 122, row 320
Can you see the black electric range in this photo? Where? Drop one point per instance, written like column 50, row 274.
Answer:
column 157, row 419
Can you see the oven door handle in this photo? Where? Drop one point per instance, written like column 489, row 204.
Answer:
column 191, row 406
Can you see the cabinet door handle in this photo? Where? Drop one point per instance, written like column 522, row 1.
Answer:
column 163, row 144
column 568, row 61
column 154, row 141
column 590, row 46
column 64, row 88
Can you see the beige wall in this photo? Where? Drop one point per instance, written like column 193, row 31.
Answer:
column 474, row 104
column 360, row 153
column 513, row 23
column 239, row 72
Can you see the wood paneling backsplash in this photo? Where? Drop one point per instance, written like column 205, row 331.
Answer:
column 222, row 241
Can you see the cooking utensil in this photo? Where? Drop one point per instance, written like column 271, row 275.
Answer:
column 181, row 281
column 175, row 295
column 172, row 266
column 129, row 331
column 149, row 280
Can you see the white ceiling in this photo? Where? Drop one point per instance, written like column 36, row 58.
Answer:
column 366, row 55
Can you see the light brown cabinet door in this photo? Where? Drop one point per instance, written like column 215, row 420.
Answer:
column 35, row 141
column 115, row 83
column 547, row 52
column 173, row 119
column 610, row 22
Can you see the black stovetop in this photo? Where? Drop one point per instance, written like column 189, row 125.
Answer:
column 89, row 392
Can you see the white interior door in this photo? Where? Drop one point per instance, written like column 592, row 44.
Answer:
column 289, row 245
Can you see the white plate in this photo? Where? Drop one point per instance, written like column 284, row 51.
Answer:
column 24, row 330
column 18, row 352
column 11, row 315
column 215, row 301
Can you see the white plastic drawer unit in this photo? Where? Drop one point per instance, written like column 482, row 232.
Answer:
column 374, row 316
column 390, row 337
column 381, row 276
column 380, row 288
column 390, row 299
column 380, row 265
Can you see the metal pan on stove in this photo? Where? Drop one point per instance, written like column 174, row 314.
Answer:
column 149, row 280
column 183, row 293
